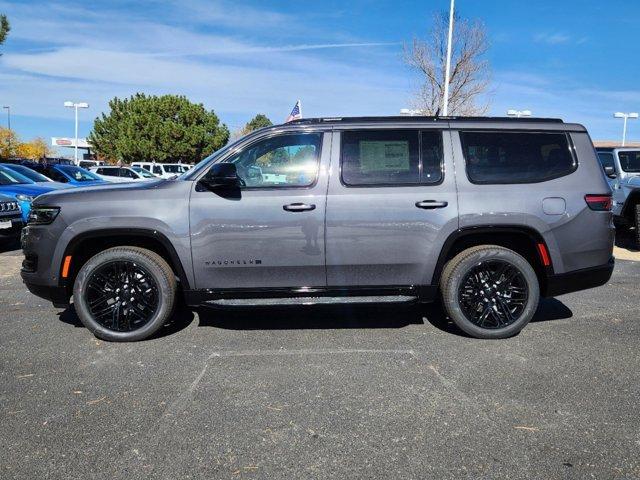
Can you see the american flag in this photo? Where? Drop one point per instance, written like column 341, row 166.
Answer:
column 295, row 114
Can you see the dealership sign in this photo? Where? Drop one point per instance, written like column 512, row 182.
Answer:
column 69, row 142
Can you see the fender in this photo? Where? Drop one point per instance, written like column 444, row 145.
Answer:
column 131, row 232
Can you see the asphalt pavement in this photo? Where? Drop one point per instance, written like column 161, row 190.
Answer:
column 322, row 393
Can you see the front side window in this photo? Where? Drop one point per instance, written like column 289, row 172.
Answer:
column 516, row 157
column 282, row 161
column 79, row 174
column 630, row 161
column 391, row 157
column 157, row 170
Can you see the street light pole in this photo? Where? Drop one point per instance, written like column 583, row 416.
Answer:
column 625, row 117
column 76, row 106
column 447, row 70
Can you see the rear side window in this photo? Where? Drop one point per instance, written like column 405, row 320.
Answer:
column 606, row 159
column 391, row 157
column 516, row 157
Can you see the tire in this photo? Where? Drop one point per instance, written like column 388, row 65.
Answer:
column 103, row 281
column 637, row 225
column 465, row 297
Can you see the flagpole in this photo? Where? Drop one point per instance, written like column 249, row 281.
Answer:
column 445, row 102
column 300, row 107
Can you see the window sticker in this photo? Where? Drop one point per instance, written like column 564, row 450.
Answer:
column 384, row 156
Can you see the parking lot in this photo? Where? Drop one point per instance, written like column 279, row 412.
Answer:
column 323, row 392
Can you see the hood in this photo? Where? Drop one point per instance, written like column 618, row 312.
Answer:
column 25, row 189
column 102, row 189
column 54, row 185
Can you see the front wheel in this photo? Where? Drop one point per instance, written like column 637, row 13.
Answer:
column 637, row 225
column 125, row 294
column 490, row 291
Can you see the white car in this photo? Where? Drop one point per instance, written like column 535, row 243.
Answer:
column 123, row 174
column 164, row 170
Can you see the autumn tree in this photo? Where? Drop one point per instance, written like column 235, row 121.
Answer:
column 470, row 71
column 36, row 149
column 8, row 143
column 165, row 128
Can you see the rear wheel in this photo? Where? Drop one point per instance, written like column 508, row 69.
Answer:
column 490, row 291
column 125, row 293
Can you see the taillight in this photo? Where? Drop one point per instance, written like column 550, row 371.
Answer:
column 600, row 203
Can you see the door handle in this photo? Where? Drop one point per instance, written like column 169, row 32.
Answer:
column 299, row 207
column 431, row 204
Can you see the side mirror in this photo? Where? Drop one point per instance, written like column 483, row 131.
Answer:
column 222, row 175
column 610, row 172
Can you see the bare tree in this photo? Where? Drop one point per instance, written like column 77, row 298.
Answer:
column 470, row 72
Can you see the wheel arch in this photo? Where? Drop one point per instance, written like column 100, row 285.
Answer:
column 521, row 239
column 631, row 201
column 84, row 245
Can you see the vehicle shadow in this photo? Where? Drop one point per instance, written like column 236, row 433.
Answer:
column 324, row 317
column 625, row 239
column 181, row 319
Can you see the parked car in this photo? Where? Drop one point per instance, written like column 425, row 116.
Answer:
column 10, row 218
column 123, row 174
column 488, row 214
column 71, row 174
column 164, row 170
column 622, row 168
column 21, row 188
column 90, row 163
column 34, row 176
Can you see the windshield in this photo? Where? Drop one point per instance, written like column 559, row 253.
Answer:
column 79, row 174
column 9, row 177
column 30, row 174
column 143, row 173
column 630, row 161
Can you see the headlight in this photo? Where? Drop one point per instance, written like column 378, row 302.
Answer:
column 24, row 198
column 42, row 215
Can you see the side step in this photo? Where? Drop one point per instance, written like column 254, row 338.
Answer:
column 269, row 302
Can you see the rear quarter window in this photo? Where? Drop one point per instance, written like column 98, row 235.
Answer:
column 516, row 157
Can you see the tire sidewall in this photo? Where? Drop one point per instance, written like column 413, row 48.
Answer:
column 458, row 273
column 166, row 295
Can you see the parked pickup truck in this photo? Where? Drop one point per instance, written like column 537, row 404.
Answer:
column 622, row 168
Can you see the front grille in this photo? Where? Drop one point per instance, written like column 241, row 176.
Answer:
column 9, row 207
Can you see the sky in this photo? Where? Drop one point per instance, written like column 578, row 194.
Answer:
column 573, row 59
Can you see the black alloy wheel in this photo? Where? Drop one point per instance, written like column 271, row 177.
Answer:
column 493, row 294
column 122, row 296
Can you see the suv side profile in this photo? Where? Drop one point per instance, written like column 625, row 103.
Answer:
column 488, row 214
column 622, row 168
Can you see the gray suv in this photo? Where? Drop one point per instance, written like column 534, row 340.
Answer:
column 487, row 214
column 622, row 168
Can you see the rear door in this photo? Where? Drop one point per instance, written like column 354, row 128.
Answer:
column 269, row 233
column 391, row 204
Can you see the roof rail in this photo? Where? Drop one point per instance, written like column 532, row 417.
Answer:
column 409, row 119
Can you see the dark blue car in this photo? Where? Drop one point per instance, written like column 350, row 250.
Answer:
column 21, row 188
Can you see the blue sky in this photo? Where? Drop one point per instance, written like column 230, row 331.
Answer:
column 575, row 59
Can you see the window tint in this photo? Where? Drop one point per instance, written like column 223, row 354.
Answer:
column 282, row 161
column 157, row 170
column 125, row 172
column 630, row 161
column 516, row 157
column 56, row 176
column 606, row 159
column 391, row 157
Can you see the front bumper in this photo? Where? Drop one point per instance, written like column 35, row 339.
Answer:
column 16, row 227
column 576, row 280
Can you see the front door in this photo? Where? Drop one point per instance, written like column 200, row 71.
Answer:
column 269, row 233
column 391, row 204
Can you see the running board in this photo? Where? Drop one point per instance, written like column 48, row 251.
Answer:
column 274, row 302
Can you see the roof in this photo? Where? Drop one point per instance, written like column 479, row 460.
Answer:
column 420, row 119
